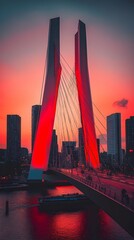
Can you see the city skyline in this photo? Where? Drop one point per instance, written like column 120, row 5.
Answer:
column 76, row 139
column 23, row 47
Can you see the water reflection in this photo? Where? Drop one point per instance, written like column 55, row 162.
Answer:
column 69, row 225
column 28, row 223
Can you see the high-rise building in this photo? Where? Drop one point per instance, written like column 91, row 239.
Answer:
column 68, row 154
column 2, row 155
column 35, row 118
column 114, row 138
column 23, row 152
column 13, row 137
column 98, row 145
column 130, row 140
column 53, row 157
column 81, row 147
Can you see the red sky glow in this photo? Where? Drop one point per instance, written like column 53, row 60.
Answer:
column 23, row 55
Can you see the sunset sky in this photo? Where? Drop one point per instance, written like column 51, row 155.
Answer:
column 23, row 44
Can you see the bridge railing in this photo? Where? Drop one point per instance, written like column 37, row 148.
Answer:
column 110, row 191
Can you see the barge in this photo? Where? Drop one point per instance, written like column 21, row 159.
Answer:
column 62, row 202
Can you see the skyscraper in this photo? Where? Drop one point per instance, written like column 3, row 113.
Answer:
column 13, row 137
column 68, row 153
column 2, row 155
column 81, row 146
column 130, row 140
column 98, row 145
column 53, row 157
column 114, row 137
column 35, row 118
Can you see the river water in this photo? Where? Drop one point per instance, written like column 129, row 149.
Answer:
column 26, row 222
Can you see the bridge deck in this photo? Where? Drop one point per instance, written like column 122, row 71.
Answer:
column 107, row 200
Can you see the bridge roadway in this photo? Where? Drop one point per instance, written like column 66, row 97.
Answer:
column 105, row 195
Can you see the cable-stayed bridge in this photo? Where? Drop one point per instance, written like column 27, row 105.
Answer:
column 43, row 137
column 67, row 106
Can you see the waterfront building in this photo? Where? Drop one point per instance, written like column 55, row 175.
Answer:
column 130, row 140
column 53, row 157
column 35, row 118
column 2, row 155
column 114, row 138
column 13, row 137
column 81, row 147
column 24, row 153
column 98, row 145
column 68, row 154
